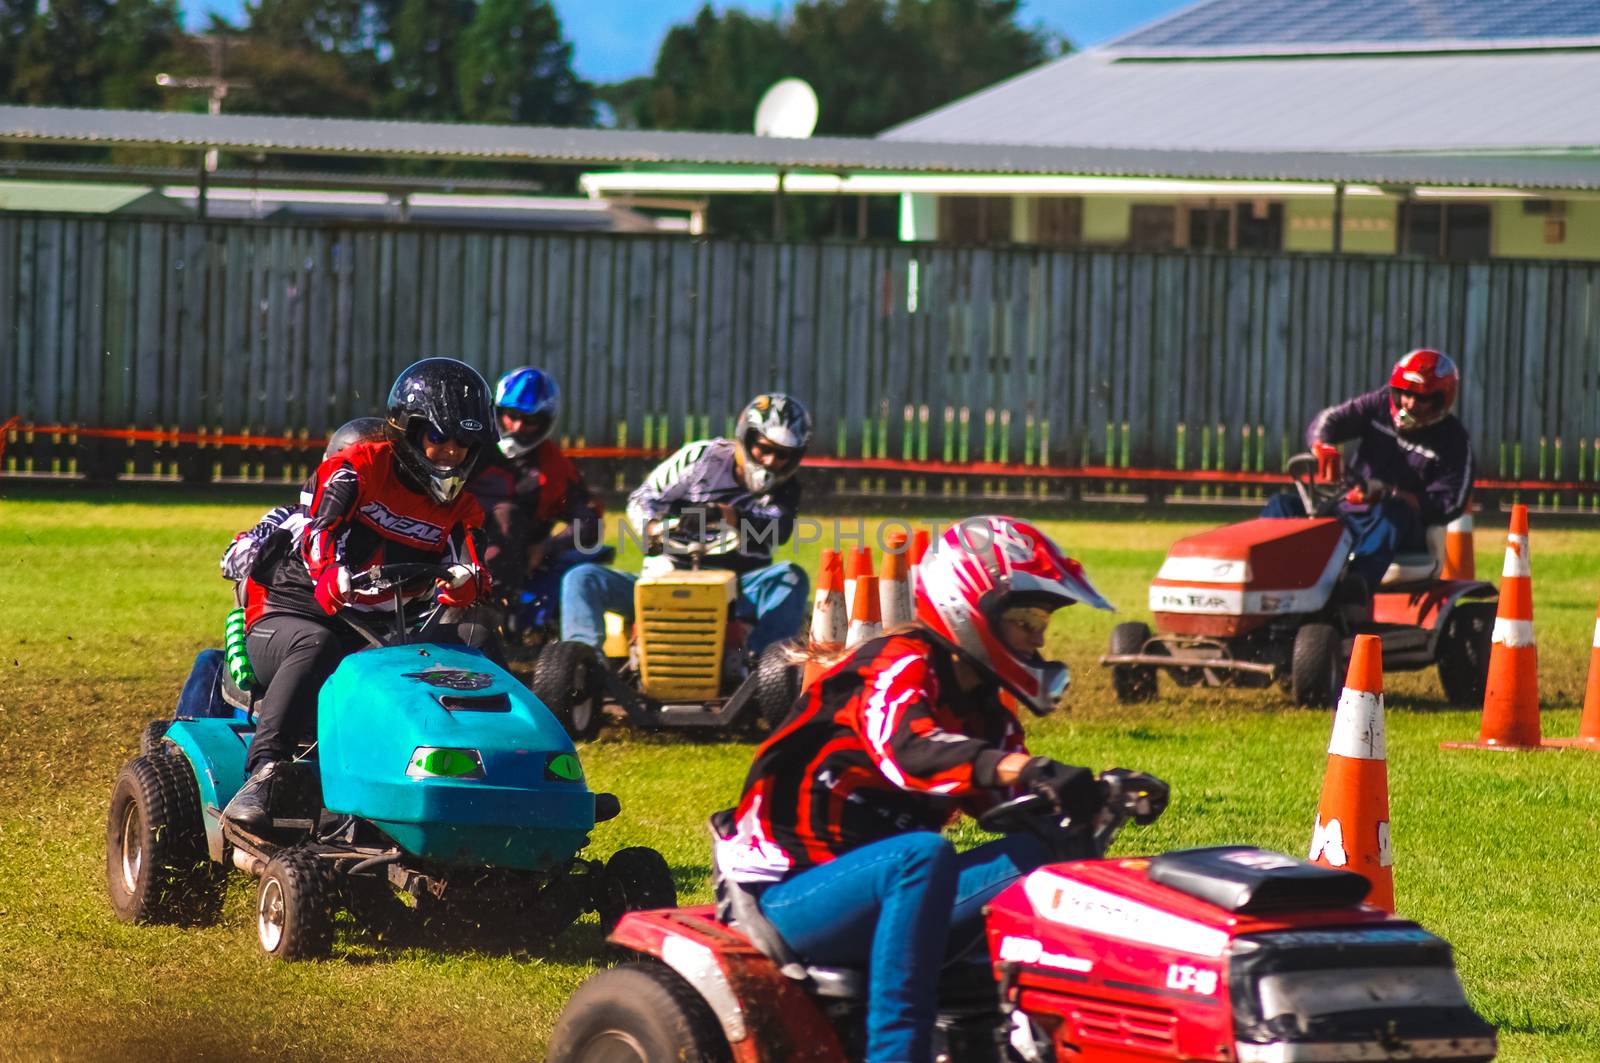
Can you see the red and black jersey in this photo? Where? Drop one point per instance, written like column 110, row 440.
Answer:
column 885, row 742
column 362, row 513
column 523, row 498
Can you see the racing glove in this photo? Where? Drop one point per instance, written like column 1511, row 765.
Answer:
column 1330, row 463
column 333, row 589
column 463, row 587
column 1072, row 791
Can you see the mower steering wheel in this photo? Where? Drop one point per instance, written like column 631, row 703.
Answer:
column 1016, row 814
column 1320, row 499
column 401, row 577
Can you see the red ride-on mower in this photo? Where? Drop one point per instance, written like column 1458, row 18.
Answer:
column 1231, row 953
column 1272, row 600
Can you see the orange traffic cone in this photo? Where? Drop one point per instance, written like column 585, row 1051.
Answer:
column 1589, row 726
column 1352, row 830
column 858, row 564
column 828, row 622
column 866, row 618
column 894, row 583
column 1459, row 562
column 1511, row 696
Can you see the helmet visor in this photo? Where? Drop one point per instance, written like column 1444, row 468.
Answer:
column 1417, row 407
column 780, row 461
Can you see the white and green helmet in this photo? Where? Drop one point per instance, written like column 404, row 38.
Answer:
column 776, row 422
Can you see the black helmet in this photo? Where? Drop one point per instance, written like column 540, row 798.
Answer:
column 448, row 400
column 360, row 430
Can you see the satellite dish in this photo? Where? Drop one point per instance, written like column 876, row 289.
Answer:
column 787, row 109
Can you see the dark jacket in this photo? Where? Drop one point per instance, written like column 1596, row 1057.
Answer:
column 1434, row 463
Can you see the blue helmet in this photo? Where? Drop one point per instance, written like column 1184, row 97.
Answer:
column 528, row 396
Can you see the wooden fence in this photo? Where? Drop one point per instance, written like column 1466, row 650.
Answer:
column 919, row 352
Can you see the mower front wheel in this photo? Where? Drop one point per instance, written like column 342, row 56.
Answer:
column 1316, row 671
column 1464, row 653
column 637, row 1013
column 294, row 906
column 777, row 680
column 1132, row 682
column 158, row 869
column 564, row 679
column 152, row 740
column 637, row 880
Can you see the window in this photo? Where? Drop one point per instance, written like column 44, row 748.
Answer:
column 1445, row 230
column 1259, row 226
column 1058, row 222
column 1152, row 227
column 975, row 219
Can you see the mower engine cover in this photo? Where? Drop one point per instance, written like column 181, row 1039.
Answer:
column 451, row 757
column 1102, row 953
column 1233, row 579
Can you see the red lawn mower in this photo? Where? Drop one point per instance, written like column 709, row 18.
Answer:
column 1271, row 600
column 1226, row 954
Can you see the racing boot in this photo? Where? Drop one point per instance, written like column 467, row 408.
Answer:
column 251, row 807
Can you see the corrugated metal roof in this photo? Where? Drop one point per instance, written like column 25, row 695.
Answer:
column 979, row 155
column 1241, row 26
column 1449, row 103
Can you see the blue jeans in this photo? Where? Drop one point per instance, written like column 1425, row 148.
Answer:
column 1380, row 530
column 773, row 600
column 897, row 907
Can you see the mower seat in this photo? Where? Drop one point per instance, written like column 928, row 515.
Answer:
column 739, row 908
column 1416, row 567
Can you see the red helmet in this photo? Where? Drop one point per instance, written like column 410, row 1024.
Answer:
column 984, row 566
column 1430, row 376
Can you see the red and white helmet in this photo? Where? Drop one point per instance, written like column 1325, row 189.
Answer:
column 1430, row 376
column 984, row 566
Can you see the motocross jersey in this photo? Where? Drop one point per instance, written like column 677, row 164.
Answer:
column 885, row 742
column 522, row 498
column 1434, row 463
column 701, row 476
column 240, row 556
column 361, row 514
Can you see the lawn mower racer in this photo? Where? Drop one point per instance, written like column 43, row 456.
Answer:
column 526, row 486
column 1349, row 551
column 1412, row 466
column 845, row 921
column 710, row 608
column 398, row 499
column 435, row 771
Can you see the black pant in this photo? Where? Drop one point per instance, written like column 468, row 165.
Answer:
column 292, row 656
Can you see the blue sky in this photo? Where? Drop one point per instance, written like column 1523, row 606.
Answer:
column 615, row 39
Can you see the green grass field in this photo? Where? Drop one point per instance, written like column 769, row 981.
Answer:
column 104, row 599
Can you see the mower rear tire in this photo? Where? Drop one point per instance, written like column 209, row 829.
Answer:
column 158, row 869
column 1132, row 682
column 637, row 880
column 637, row 1013
column 777, row 680
column 1316, row 668
column 1464, row 653
column 564, row 679
column 294, row 906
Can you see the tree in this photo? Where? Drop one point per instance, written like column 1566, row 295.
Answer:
column 710, row 74
column 352, row 32
column 874, row 63
column 516, row 66
column 16, row 18
column 421, row 71
column 91, row 53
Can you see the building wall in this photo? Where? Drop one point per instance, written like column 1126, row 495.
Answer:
column 1520, row 234
column 1371, row 224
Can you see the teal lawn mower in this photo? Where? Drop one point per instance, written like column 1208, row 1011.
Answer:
column 439, row 792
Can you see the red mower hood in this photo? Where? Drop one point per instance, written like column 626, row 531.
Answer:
column 1230, row 579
